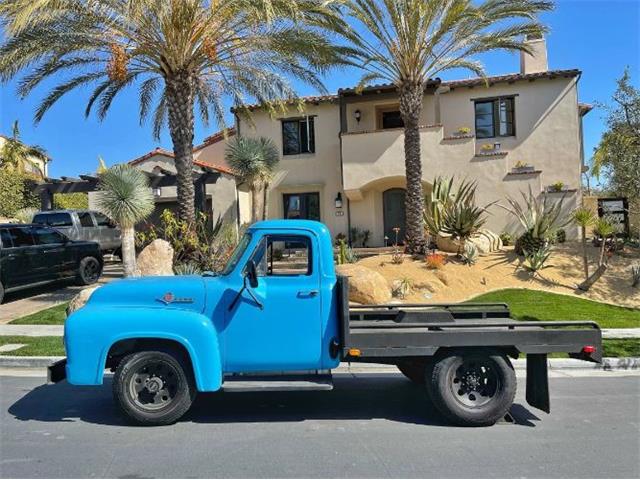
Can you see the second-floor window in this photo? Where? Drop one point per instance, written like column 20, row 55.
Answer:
column 495, row 117
column 298, row 136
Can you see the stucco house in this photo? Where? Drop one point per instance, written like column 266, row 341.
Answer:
column 36, row 166
column 343, row 155
column 225, row 199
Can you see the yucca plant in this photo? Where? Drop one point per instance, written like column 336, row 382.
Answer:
column 254, row 160
column 540, row 219
column 126, row 198
column 584, row 218
column 186, row 57
column 18, row 156
column 188, row 268
column 408, row 42
column 635, row 275
column 605, row 229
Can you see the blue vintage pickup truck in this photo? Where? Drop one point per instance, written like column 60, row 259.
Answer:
column 278, row 318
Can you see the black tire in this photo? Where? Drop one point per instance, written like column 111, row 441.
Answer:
column 89, row 271
column 163, row 398
column 1, row 293
column 472, row 388
column 414, row 370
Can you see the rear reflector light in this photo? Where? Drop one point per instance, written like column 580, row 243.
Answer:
column 588, row 349
column 354, row 352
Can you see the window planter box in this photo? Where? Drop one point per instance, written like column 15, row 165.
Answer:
column 525, row 169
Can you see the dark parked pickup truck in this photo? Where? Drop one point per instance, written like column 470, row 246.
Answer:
column 278, row 317
column 33, row 255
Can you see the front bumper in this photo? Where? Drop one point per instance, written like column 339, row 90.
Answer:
column 56, row 372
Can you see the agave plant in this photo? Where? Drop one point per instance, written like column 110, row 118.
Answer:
column 540, row 219
column 125, row 197
column 535, row 261
column 443, row 194
column 188, row 268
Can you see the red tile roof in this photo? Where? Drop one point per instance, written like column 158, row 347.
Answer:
column 215, row 138
column 167, row 153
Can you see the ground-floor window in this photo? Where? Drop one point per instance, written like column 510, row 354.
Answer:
column 302, row 206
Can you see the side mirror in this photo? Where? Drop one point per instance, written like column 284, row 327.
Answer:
column 251, row 273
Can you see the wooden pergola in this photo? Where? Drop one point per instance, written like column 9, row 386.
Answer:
column 89, row 183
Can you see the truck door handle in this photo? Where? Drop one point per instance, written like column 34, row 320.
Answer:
column 308, row 293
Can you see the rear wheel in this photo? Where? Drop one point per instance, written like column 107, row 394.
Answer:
column 472, row 387
column 153, row 388
column 414, row 370
column 89, row 271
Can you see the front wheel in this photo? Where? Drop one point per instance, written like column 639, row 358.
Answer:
column 472, row 388
column 153, row 388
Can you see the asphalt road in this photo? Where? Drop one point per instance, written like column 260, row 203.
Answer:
column 369, row 426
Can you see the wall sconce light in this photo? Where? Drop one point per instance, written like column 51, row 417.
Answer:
column 338, row 200
column 157, row 192
column 357, row 115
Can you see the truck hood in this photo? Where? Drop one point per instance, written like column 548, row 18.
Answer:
column 185, row 292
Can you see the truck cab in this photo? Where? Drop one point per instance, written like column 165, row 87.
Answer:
column 278, row 318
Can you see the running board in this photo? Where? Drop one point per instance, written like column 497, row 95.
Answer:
column 277, row 383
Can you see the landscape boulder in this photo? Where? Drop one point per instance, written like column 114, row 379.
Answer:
column 366, row 286
column 485, row 241
column 80, row 299
column 155, row 259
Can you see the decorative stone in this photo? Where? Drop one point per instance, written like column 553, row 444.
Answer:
column 485, row 241
column 156, row 259
column 366, row 286
column 81, row 299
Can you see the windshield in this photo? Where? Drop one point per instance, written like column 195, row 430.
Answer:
column 237, row 253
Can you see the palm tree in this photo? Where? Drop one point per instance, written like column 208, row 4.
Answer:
column 126, row 198
column 254, row 160
column 181, row 54
column 18, row 156
column 584, row 217
column 408, row 42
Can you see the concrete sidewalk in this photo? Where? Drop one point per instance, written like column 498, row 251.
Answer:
column 26, row 302
column 58, row 331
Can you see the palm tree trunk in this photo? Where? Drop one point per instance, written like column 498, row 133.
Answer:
column 256, row 202
column 128, row 251
column 410, row 107
column 584, row 252
column 265, row 205
column 180, row 102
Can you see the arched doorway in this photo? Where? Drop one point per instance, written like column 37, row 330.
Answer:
column 394, row 215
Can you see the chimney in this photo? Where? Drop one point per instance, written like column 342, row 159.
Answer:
column 537, row 61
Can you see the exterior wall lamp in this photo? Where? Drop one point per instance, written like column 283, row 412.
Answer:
column 157, row 192
column 357, row 115
column 338, row 200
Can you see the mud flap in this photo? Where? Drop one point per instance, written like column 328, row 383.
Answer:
column 538, row 381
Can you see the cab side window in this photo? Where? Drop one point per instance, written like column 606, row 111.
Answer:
column 283, row 255
column 5, row 238
column 46, row 236
column 85, row 219
column 20, row 237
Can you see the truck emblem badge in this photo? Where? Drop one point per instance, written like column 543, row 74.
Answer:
column 168, row 298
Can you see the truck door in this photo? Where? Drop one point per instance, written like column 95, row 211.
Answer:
column 286, row 333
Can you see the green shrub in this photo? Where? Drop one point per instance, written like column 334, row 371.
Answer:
column 15, row 193
column 561, row 236
column 506, row 238
column 71, row 201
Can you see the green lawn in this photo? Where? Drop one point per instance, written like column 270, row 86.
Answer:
column 51, row 316
column 52, row 346
column 534, row 305
column 35, row 346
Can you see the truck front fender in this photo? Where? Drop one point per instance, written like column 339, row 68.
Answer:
column 92, row 331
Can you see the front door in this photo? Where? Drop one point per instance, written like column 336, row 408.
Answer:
column 286, row 333
column 393, row 210
column 304, row 206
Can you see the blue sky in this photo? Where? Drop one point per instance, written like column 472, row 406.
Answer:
column 600, row 37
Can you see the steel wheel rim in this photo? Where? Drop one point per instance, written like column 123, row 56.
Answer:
column 154, row 385
column 91, row 270
column 475, row 382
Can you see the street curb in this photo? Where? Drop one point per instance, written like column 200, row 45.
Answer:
column 608, row 364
